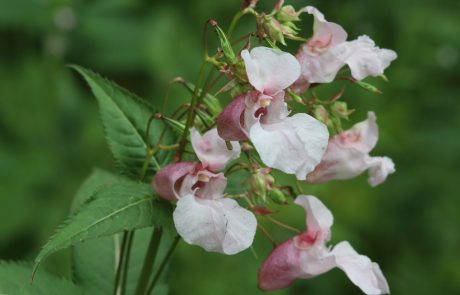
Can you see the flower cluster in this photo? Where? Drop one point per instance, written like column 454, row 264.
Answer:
column 260, row 123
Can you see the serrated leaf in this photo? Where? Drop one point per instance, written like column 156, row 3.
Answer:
column 15, row 280
column 95, row 261
column 112, row 209
column 125, row 117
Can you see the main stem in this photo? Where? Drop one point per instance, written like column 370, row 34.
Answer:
column 149, row 261
column 163, row 265
column 191, row 113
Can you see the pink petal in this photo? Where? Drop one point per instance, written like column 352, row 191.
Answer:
column 360, row 269
column 363, row 136
column 280, row 268
column 325, row 33
column 203, row 183
column 379, row 169
column 270, row 71
column 167, row 182
column 319, row 218
column 212, row 150
column 318, row 68
column 218, row 225
column 364, row 58
column 230, row 123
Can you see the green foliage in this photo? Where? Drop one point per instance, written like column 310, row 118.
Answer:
column 112, row 209
column 95, row 261
column 15, row 280
column 125, row 117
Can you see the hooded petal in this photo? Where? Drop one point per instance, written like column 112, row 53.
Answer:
column 379, row 169
column 230, row 123
column 281, row 267
column 218, row 225
column 167, row 182
column 294, row 145
column 316, row 68
column 364, row 58
column 325, row 34
column 363, row 136
column 319, row 217
column 270, row 70
column 204, row 184
column 360, row 269
column 212, row 150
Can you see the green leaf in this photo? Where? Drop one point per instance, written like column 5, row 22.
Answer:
column 125, row 117
column 225, row 45
column 15, row 280
column 112, row 209
column 95, row 261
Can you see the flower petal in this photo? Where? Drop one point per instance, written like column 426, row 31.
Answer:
column 319, row 218
column 280, row 268
column 168, row 181
column 230, row 123
column 294, row 145
column 270, row 70
column 203, row 183
column 218, row 225
column 363, row 136
column 360, row 269
column 212, row 150
column 379, row 169
column 324, row 31
column 364, row 58
column 316, row 68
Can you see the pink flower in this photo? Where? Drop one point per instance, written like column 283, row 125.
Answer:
column 307, row 255
column 347, row 156
column 328, row 51
column 293, row 144
column 203, row 216
column 211, row 149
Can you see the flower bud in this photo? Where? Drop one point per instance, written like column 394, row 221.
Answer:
column 258, row 185
column 274, row 29
column 287, row 14
column 212, row 104
column 340, row 109
column 322, row 115
column 277, row 196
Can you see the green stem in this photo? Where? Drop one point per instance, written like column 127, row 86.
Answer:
column 126, row 264
column 235, row 20
column 163, row 265
column 149, row 261
column 120, row 263
column 191, row 112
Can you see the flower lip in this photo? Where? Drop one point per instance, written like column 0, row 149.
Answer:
column 305, row 240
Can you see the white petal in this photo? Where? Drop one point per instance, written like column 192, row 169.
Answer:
column 218, row 225
column 363, row 136
column 294, row 145
column 379, row 169
column 364, row 58
column 204, row 184
column 319, row 217
column 212, row 150
column 360, row 269
column 322, row 29
column 270, row 70
column 318, row 68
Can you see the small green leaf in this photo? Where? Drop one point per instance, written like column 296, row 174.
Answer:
column 125, row 117
column 15, row 280
column 368, row 87
column 112, row 209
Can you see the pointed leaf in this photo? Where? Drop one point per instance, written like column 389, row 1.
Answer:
column 112, row 209
column 125, row 117
column 15, row 280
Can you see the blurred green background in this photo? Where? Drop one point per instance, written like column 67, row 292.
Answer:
column 51, row 136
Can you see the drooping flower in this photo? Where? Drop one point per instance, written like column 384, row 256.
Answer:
column 347, row 155
column 293, row 144
column 203, row 216
column 328, row 51
column 307, row 255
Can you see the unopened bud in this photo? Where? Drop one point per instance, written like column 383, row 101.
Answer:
column 322, row 115
column 288, row 14
column 340, row 109
column 258, row 185
column 277, row 196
